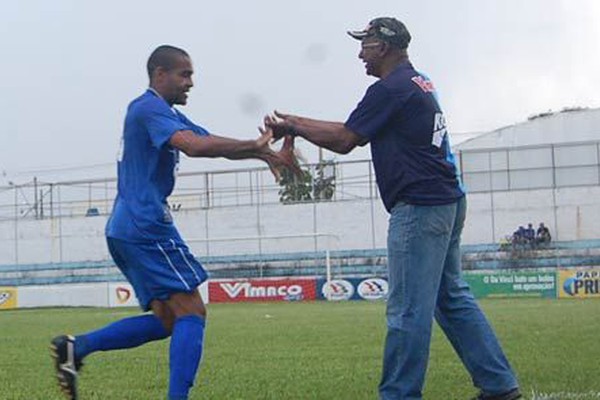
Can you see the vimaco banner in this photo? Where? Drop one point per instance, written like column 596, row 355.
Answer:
column 271, row 289
column 579, row 283
column 512, row 284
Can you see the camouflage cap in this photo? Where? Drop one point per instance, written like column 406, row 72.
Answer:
column 388, row 29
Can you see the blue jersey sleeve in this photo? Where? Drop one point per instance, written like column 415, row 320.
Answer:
column 161, row 122
column 374, row 111
column 192, row 126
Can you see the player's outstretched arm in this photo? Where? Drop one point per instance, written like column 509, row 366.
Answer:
column 333, row 136
column 212, row 146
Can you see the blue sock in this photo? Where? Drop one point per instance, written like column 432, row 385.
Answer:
column 123, row 334
column 185, row 354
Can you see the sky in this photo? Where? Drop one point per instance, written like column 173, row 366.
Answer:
column 70, row 68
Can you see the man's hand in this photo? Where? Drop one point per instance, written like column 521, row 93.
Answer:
column 330, row 135
column 281, row 124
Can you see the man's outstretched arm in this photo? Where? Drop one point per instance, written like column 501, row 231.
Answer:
column 333, row 136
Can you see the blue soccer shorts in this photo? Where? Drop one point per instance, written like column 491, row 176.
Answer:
column 156, row 270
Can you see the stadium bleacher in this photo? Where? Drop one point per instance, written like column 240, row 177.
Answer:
column 366, row 262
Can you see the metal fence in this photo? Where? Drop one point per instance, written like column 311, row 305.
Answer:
column 490, row 170
column 531, row 167
column 194, row 190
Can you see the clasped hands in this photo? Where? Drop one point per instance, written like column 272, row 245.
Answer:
column 274, row 128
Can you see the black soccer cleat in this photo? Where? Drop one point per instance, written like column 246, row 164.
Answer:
column 513, row 394
column 66, row 364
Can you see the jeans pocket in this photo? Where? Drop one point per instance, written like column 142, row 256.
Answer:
column 437, row 220
column 401, row 225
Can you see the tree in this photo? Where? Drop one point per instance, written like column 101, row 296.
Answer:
column 307, row 188
column 324, row 182
column 295, row 189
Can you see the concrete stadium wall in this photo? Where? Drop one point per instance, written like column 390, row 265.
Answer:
column 570, row 213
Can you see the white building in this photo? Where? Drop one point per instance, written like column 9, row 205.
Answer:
column 545, row 169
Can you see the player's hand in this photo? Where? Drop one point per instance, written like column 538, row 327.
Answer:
column 283, row 159
column 288, row 156
column 262, row 142
column 265, row 153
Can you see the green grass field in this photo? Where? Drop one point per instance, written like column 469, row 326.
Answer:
column 309, row 350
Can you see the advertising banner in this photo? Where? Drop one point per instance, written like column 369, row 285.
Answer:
column 512, row 284
column 352, row 289
column 278, row 289
column 8, row 298
column 579, row 283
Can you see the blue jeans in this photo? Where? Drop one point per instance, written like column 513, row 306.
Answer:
column 425, row 281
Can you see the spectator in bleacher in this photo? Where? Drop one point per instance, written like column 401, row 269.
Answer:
column 402, row 120
column 530, row 235
column 518, row 238
column 142, row 238
column 543, row 236
column 505, row 243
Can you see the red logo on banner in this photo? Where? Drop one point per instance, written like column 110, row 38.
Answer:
column 123, row 294
column 262, row 290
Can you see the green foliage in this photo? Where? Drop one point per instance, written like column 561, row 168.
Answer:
column 303, row 350
column 324, row 182
column 307, row 188
column 295, row 189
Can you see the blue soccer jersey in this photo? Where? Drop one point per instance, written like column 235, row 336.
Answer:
column 147, row 167
column 402, row 120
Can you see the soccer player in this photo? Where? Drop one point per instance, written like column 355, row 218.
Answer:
column 402, row 120
column 142, row 239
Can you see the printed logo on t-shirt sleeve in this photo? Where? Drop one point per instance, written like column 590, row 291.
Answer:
column 425, row 84
column 439, row 129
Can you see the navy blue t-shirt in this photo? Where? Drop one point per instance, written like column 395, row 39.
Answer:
column 402, row 120
column 147, row 168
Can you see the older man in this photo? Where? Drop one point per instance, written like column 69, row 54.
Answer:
column 402, row 120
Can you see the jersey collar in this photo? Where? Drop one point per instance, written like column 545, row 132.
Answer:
column 151, row 89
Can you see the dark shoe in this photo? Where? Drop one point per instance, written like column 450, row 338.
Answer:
column 66, row 364
column 513, row 394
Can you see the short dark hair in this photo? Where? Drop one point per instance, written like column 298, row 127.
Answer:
column 164, row 56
